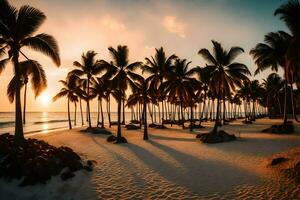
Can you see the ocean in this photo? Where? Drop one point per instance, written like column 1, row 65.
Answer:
column 48, row 121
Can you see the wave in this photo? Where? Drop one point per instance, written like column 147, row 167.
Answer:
column 51, row 121
column 6, row 124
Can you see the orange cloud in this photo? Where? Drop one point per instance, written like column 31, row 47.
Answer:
column 172, row 24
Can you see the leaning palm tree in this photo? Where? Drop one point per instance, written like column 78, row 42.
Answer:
column 273, row 54
column 181, row 85
column 158, row 68
column 17, row 27
column 32, row 70
column 68, row 90
column 88, row 67
column 224, row 72
column 122, row 76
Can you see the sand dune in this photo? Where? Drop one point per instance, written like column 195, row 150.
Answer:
column 172, row 165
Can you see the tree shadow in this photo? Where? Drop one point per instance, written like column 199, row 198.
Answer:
column 258, row 145
column 202, row 176
column 161, row 137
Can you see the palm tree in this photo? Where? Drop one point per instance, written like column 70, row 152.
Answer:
column 181, row 85
column 98, row 90
column 244, row 93
column 79, row 91
column 28, row 69
column 16, row 31
column 273, row 87
column 68, row 90
column 204, row 77
column 158, row 68
column 255, row 93
column 224, row 72
column 290, row 13
column 141, row 95
column 88, row 67
column 273, row 54
column 122, row 76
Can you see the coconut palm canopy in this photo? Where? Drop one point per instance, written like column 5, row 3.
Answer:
column 180, row 33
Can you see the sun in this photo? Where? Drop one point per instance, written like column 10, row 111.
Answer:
column 45, row 99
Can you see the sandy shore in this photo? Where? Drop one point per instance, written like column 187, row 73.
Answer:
column 172, row 165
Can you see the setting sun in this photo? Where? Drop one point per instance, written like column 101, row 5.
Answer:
column 45, row 99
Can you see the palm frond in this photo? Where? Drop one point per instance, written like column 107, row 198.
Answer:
column 45, row 44
column 61, row 94
column 207, row 56
column 28, row 21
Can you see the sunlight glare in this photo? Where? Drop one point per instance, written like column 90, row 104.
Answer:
column 45, row 99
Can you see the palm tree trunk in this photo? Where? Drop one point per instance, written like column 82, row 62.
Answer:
column 253, row 109
column 108, row 110
column 75, row 113
column 207, row 108
column 159, row 119
column 24, row 108
column 80, row 105
column 285, row 103
column 19, row 134
column 69, row 117
column 292, row 102
column 182, row 115
column 88, row 102
column 192, row 118
column 145, row 121
column 163, row 112
column 119, row 120
column 215, row 129
column 123, row 106
column 102, row 117
column 98, row 112
column 203, row 108
column 150, row 112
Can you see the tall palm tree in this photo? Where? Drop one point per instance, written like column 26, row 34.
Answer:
column 32, row 70
column 141, row 95
column 16, row 31
column 98, row 90
column 204, row 77
column 158, row 68
column 273, row 86
column 273, row 54
column 255, row 93
column 80, row 91
column 68, row 90
column 122, row 76
column 290, row 14
column 224, row 72
column 181, row 85
column 88, row 67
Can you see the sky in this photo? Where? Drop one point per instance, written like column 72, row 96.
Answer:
column 182, row 27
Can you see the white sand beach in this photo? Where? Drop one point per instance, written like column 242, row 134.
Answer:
column 171, row 165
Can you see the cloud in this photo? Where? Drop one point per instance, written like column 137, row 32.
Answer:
column 172, row 24
column 112, row 23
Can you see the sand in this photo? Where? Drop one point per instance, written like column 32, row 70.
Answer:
column 172, row 165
